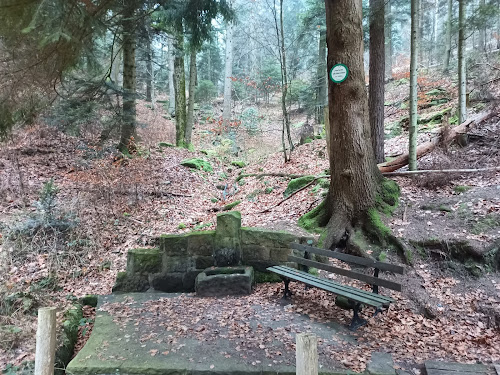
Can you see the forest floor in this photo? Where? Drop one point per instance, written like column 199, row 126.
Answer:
column 448, row 310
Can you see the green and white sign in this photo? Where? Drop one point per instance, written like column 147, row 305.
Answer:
column 339, row 73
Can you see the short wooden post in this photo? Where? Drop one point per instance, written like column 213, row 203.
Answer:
column 45, row 341
column 306, row 354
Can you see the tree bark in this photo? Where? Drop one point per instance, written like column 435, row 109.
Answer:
column 171, row 85
column 482, row 31
column 354, row 173
column 377, row 75
column 129, row 77
column 388, row 41
column 180, row 87
column 447, row 52
column 415, row 8
column 149, row 66
column 192, row 87
column 462, row 109
column 226, row 112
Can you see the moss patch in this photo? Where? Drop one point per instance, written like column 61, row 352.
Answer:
column 313, row 220
column 196, row 163
column 238, row 163
column 376, row 227
column 89, row 300
column 296, row 184
column 388, row 198
column 230, row 206
column 68, row 339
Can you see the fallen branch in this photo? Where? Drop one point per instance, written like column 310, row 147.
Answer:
column 291, row 195
column 424, row 171
column 258, row 175
column 442, row 137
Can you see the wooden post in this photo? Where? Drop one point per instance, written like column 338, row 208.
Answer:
column 45, row 341
column 306, row 354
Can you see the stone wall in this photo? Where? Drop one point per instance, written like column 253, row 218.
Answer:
column 173, row 266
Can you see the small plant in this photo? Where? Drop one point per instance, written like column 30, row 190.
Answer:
column 181, row 226
column 250, row 120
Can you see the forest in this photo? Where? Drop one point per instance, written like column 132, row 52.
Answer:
column 147, row 146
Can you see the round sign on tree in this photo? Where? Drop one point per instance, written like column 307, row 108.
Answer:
column 339, row 73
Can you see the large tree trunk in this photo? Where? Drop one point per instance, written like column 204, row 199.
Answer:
column 226, row 112
column 447, row 52
column 171, row 85
column 192, row 87
column 415, row 7
column 180, row 87
column 462, row 109
column 129, row 78
column 321, row 73
column 388, row 41
column 354, row 173
column 377, row 73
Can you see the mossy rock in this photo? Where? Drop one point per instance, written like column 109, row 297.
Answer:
column 296, row 184
column 89, row 300
column 143, row 261
column 127, row 283
column 196, row 163
column 230, row 206
column 436, row 92
column 266, row 277
column 434, row 116
column 238, row 163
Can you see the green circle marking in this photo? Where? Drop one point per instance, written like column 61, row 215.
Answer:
column 339, row 73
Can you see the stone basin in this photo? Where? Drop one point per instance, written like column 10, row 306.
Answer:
column 224, row 281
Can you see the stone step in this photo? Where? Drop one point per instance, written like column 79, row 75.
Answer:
column 453, row 368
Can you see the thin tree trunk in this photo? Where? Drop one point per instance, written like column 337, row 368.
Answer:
column 284, row 83
column 115, row 67
column 432, row 52
column 171, row 85
column 462, row 109
column 482, row 31
column 180, row 87
column 415, row 8
column 354, row 173
column 321, row 83
column 129, row 78
column 388, row 41
column 192, row 87
column 149, row 66
column 447, row 52
column 226, row 113
column 377, row 73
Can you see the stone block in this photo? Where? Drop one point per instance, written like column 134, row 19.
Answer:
column 279, row 254
column 173, row 244
column 177, row 263
column 203, row 262
column 168, row 282
column 256, row 252
column 130, row 283
column 260, row 265
column 143, row 261
column 265, row 237
column 224, row 281
column 201, row 242
column 381, row 364
column 189, row 279
column 229, row 224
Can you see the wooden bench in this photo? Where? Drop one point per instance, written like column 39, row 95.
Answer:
column 356, row 297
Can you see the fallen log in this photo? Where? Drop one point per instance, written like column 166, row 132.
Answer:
column 425, row 171
column 442, row 137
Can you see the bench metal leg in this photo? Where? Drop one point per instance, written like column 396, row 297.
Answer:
column 287, row 290
column 357, row 321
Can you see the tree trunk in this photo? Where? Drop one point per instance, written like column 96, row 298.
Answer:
column 482, row 31
column 447, row 52
column 321, row 83
column 462, row 109
column 377, row 73
column 129, row 78
column 415, row 7
column 192, row 87
column 171, row 85
column 354, row 173
column 284, row 83
column 180, row 87
column 149, row 66
column 388, row 41
column 115, row 67
column 226, row 113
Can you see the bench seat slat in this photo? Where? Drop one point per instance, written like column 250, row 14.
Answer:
column 331, row 286
column 349, row 258
column 345, row 288
column 353, row 275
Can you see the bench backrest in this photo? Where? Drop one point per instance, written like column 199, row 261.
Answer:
column 365, row 262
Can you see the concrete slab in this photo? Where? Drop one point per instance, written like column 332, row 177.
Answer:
column 163, row 334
